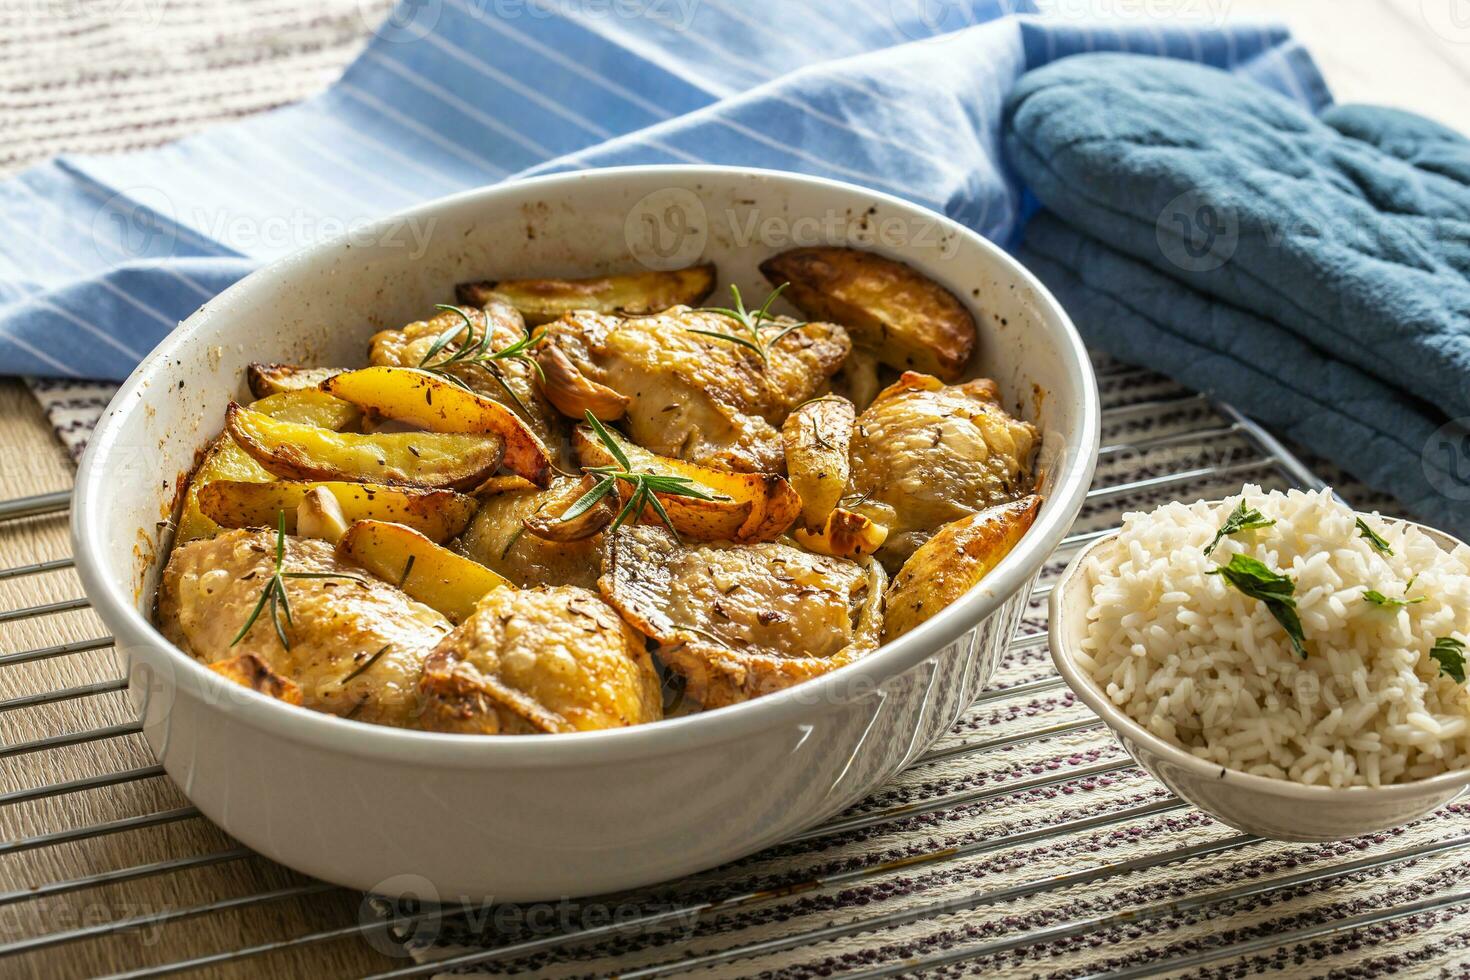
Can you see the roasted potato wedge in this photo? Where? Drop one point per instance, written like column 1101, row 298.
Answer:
column 953, row 561
column 817, row 436
column 432, row 403
column 428, row 572
column 437, row 460
column 843, row 535
column 225, row 460
column 543, row 300
column 272, row 379
column 758, row 506
column 906, row 318
column 437, row 514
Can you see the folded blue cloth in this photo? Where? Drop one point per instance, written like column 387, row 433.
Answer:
column 101, row 256
column 1313, row 271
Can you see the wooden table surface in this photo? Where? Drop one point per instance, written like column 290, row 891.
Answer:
column 1405, row 53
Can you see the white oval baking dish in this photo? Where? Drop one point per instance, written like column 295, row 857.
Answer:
column 454, row 818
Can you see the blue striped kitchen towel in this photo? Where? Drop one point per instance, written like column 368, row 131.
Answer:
column 101, row 256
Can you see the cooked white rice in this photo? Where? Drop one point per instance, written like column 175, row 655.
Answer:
column 1202, row 665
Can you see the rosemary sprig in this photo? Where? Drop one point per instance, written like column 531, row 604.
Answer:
column 477, row 353
column 645, row 485
column 274, row 593
column 749, row 323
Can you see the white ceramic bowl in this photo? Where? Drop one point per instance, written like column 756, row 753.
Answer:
column 1274, row 808
column 453, row 818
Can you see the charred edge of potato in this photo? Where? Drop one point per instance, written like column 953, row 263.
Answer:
column 421, row 399
column 953, row 561
column 430, row 573
column 817, row 436
column 250, row 671
column 439, row 461
column 437, row 514
column 906, row 318
column 272, row 379
column 543, row 300
column 573, row 393
column 844, row 535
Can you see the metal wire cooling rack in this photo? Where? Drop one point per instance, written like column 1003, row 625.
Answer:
column 93, row 837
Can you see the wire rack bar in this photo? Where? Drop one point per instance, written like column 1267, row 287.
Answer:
column 65, row 694
column 59, row 650
column 970, row 748
column 46, row 609
column 159, row 918
column 44, row 503
column 79, row 785
column 122, row 874
column 70, row 738
column 36, row 568
column 98, row 830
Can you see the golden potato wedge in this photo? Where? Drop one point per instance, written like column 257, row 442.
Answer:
column 953, row 561
column 272, row 379
column 225, row 460
column 428, row 572
column 543, row 300
column 758, row 506
column 906, row 318
column 843, row 535
column 250, row 671
column 437, row 460
column 437, row 514
column 817, row 435
column 432, row 403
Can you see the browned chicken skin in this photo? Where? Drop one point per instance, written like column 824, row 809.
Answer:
column 552, row 659
column 741, row 621
column 696, row 397
column 407, row 347
column 337, row 624
column 925, row 453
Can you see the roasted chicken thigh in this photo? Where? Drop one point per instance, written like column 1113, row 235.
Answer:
column 686, row 394
column 739, row 621
column 550, row 659
column 926, row 453
column 337, row 625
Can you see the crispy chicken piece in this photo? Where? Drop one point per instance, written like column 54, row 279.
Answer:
column 554, row 659
column 739, row 621
column 497, row 538
column 337, row 625
column 925, row 454
column 406, row 348
column 691, row 396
